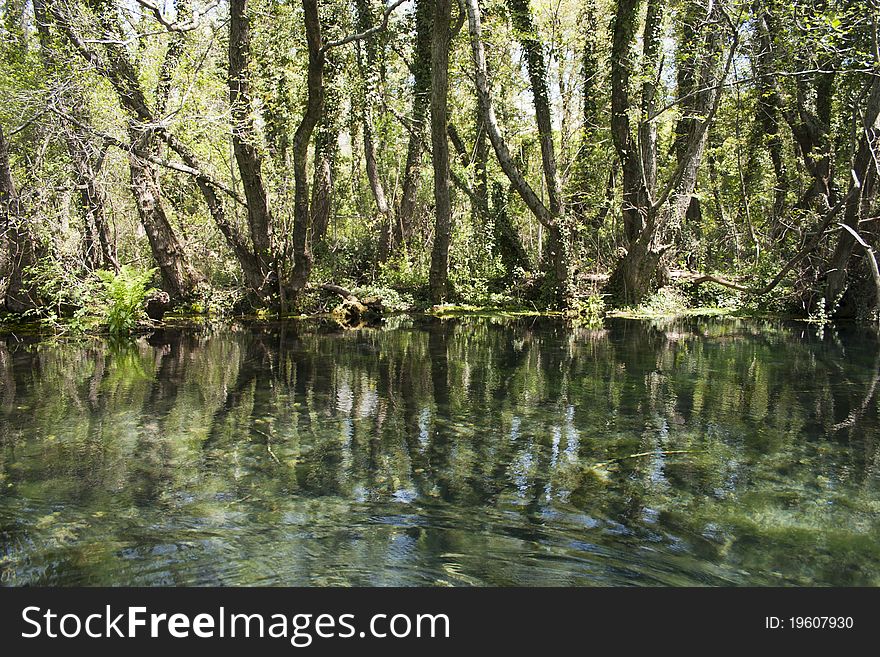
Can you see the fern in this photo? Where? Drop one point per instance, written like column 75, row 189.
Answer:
column 124, row 294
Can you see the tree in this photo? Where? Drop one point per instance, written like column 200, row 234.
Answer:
column 439, row 277
column 85, row 150
column 651, row 211
column 209, row 138
column 179, row 277
column 558, row 247
column 421, row 88
column 550, row 217
column 769, row 108
column 590, row 161
column 262, row 271
column 371, row 64
column 17, row 249
column 858, row 203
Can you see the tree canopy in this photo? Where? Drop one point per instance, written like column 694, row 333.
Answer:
column 541, row 153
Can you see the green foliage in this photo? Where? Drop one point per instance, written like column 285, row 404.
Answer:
column 668, row 300
column 751, row 180
column 708, row 295
column 393, row 300
column 67, row 296
column 350, row 257
column 124, row 294
column 589, row 311
column 400, row 273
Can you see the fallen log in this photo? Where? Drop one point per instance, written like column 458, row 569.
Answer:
column 340, row 291
column 352, row 311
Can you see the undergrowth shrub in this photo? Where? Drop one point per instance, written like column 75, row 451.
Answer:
column 589, row 311
column 667, row 299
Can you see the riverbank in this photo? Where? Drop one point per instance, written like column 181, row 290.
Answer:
column 66, row 327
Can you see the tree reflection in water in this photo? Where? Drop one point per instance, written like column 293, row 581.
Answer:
column 469, row 451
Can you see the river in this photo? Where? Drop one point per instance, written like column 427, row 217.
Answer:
column 485, row 451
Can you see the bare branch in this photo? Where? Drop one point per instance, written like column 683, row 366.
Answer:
column 366, row 33
column 870, row 256
column 772, row 74
column 820, row 232
column 168, row 164
column 188, row 26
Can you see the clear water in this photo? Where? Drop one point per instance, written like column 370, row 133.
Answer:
column 479, row 451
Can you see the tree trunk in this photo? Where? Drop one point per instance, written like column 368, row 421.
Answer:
column 98, row 247
column 302, row 254
column 585, row 175
column 622, row 68
column 17, row 249
column 630, row 280
column 552, row 217
column 481, row 174
column 769, row 108
column 179, row 278
column 370, row 63
column 244, row 146
column 558, row 246
column 651, row 76
column 863, row 183
column 403, row 225
column 647, row 213
column 439, row 273
column 537, row 70
column 635, row 275
column 99, row 250
column 691, row 131
column 508, row 243
column 810, row 127
column 502, row 151
column 120, row 72
column 326, row 149
column 812, row 131
column 256, row 271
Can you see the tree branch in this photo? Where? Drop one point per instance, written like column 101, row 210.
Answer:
column 800, row 255
column 188, row 26
column 697, row 137
column 366, row 33
column 174, row 166
column 869, row 253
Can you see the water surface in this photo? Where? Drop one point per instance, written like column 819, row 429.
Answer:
column 480, row 451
